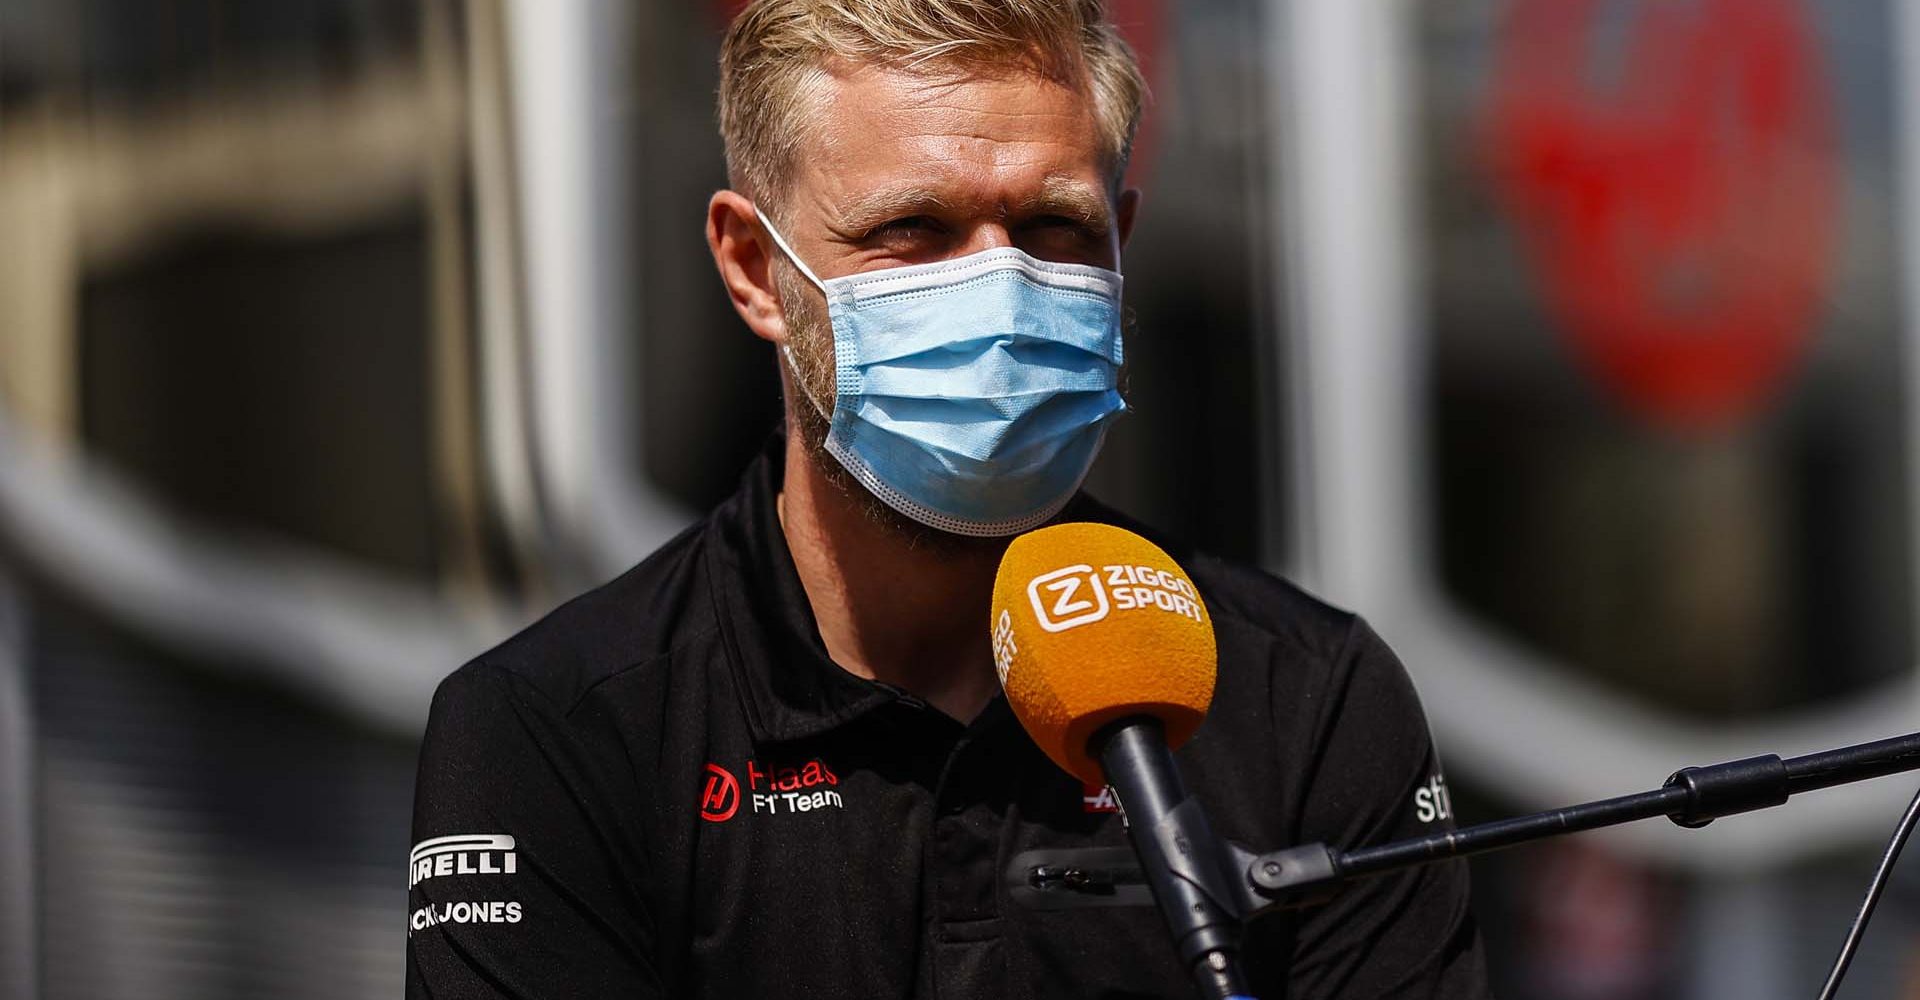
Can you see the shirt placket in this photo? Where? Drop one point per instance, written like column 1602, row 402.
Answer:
column 964, row 928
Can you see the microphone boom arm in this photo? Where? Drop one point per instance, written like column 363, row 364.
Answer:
column 1313, row 873
column 1692, row 798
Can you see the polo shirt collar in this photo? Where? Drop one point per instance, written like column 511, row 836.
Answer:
column 791, row 688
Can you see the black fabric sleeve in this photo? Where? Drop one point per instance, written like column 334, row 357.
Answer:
column 519, row 886
column 1377, row 778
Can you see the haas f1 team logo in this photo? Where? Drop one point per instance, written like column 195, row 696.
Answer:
column 1081, row 595
column 1680, row 206
column 720, row 798
column 772, row 789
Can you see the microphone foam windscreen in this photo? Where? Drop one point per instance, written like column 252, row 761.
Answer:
column 1093, row 623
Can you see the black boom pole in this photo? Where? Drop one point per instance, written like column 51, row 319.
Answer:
column 1693, row 797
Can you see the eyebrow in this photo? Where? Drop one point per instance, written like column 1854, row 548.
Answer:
column 886, row 204
column 1057, row 196
column 1071, row 199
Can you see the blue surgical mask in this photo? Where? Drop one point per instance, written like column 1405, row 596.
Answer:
column 971, row 394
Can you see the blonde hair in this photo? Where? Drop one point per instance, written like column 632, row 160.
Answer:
column 776, row 52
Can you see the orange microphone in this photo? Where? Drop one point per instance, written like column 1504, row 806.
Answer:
column 1105, row 650
column 1092, row 623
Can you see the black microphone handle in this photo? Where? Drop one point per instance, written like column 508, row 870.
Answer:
column 1184, row 863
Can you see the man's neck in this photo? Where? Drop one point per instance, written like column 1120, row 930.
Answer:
column 910, row 615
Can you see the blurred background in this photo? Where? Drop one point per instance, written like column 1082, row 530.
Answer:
column 1572, row 341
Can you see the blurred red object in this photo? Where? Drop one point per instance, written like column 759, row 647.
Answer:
column 1682, row 209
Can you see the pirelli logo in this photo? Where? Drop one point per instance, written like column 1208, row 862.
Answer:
column 462, row 854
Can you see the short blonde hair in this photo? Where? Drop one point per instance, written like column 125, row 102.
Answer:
column 775, row 50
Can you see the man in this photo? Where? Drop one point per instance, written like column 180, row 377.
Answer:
column 771, row 760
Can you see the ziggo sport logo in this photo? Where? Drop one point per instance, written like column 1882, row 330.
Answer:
column 1078, row 595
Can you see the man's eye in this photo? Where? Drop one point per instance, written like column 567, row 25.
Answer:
column 909, row 225
column 1071, row 226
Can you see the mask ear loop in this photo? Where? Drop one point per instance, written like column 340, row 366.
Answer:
column 781, row 242
column 786, row 348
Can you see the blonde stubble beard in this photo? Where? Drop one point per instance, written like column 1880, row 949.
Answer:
column 810, row 335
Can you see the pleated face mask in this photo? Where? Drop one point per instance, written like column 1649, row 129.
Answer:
column 971, row 394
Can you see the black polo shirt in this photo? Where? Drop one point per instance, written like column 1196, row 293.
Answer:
column 666, row 788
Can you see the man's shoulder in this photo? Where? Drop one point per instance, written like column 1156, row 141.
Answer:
column 628, row 623
column 1247, row 597
column 1248, row 604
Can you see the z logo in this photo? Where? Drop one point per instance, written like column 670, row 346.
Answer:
column 1070, row 608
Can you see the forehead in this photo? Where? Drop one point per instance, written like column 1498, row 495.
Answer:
column 975, row 139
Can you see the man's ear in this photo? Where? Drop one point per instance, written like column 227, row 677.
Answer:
column 1125, row 208
column 745, row 264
